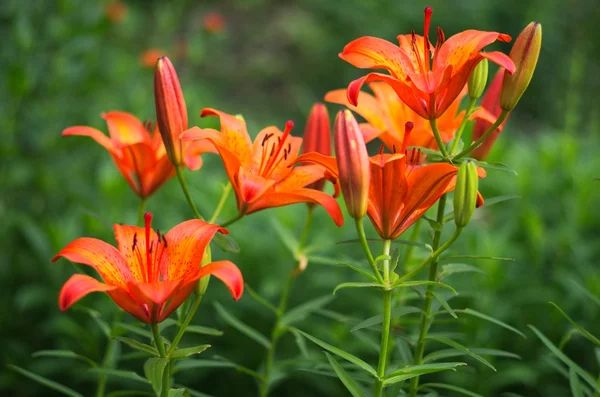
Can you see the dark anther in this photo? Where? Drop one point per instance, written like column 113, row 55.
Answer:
column 151, row 246
column 134, row 242
column 164, row 239
column 394, row 148
column 265, row 139
column 272, row 150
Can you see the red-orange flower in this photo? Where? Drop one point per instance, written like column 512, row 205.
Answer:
column 487, row 115
column 401, row 190
column 138, row 154
column 428, row 80
column 149, row 274
column 386, row 116
column 261, row 173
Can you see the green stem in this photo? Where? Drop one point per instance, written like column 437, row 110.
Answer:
column 141, row 209
column 485, row 135
column 158, row 341
column 387, row 321
column 424, row 325
column 438, row 137
column 465, row 120
column 110, row 348
column 276, row 332
column 186, row 192
column 221, row 204
column 186, row 322
column 232, row 220
column 360, row 230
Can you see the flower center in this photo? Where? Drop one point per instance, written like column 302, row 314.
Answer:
column 150, row 259
column 277, row 151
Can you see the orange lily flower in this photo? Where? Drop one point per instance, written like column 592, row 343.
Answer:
column 428, row 80
column 317, row 137
column 261, row 173
column 149, row 274
column 138, row 154
column 386, row 116
column 401, row 189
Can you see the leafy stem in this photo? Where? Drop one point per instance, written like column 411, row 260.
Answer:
column 485, row 135
column 387, row 320
column 186, row 192
column 438, row 137
column 465, row 120
column 360, row 230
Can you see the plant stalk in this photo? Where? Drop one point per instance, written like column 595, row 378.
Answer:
column 186, row 192
column 387, row 320
column 360, row 230
column 465, row 120
column 485, row 135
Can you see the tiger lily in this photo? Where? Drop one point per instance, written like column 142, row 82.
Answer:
column 148, row 274
column 317, row 137
column 139, row 155
column 428, row 80
column 261, row 173
column 401, row 189
column 386, row 116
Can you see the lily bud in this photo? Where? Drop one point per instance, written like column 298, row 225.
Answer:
column 490, row 111
column 317, row 137
column 353, row 163
column 171, row 112
column 465, row 193
column 478, row 79
column 525, row 53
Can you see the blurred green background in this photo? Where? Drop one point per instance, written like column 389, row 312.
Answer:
column 63, row 62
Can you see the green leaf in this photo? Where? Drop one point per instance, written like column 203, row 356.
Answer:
column 498, row 199
column 458, row 346
column 442, row 300
column 584, row 375
column 179, row 393
column 356, row 285
column 123, row 393
column 300, row 342
column 119, row 373
column 587, row 293
column 340, row 353
column 450, row 387
column 435, row 225
column 153, row 369
column 226, row 243
column 188, row 351
column 194, row 393
column 412, row 371
column 378, row 319
column 97, row 317
column 240, row 326
column 346, row 379
column 418, row 283
column 260, row 299
column 446, row 353
column 167, row 323
column 358, row 270
column 64, row 354
column 45, row 381
column 482, row 316
column 576, row 389
column 138, row 345
column 585, row 333
column 452, row 268
column 183, row 365
column 382, row 258
column 495, row 166
column 286, row 236
column 201, row 330
column 136, row 330
column 491, row 258
column 240, row 368
column 417, row 244
column 301, row 311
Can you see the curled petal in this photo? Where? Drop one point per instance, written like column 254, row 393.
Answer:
column 500, row 59
column 228, row 273
column 154, row 293
column 317, row 158
column 375, row 53
column 233, row 136
column 93, row 133
column 103, row 257
column 125, row 129
column 78, row 286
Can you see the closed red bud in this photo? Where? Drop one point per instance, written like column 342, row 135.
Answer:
column 491, row 105
column 317, row 137
column 353, row 163
column 524, row 53
column 171, row 112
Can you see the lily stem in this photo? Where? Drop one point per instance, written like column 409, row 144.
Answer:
column 424, row 325
column 186, row 322
column 360, row 230
column 387, row 320
column 186, row 192
column 485, row 135
column 141, row 209
column 232, row 220
column 110, row 349
column 277, row 332
column 161, row 351
column 221, row 204
column 465, row 120
column 438, row 137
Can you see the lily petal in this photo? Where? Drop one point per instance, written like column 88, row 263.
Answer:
column 125, row 128
column 93, row 133
column 233, row 136
column 228, row 273
column 78, row 286
column 375, row 53
column 103, row 257
column 328, row 162
column 500, row 59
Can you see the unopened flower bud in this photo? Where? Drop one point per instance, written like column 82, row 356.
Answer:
column 525, row 53
column 353, row 163
column 171, row 112
column 317, row 137
column 465, row 193
column 478, row 79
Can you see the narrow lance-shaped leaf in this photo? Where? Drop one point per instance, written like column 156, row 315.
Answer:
column 356, row 285
column 576, row 389
column 45, row 381
column 340, row 353
column 119, row 374
column 346, row 379
column 153, row 369
column 583, row 331
column 485, row 317
column 301, row 311
column 450, row 387
column 138, row 345
column 65, row 354
column 444, row 303
column 447, row 353
column 240, row 326
column 188, row 351
column 378, row 319
column 467, row 351
column 413, row 371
